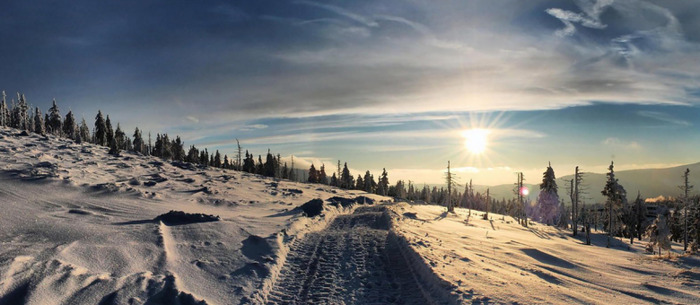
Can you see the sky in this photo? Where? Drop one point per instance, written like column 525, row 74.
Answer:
column 378, row 84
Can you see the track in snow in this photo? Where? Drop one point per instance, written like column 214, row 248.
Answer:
column 351, row 262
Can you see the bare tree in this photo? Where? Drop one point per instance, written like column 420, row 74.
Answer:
column 686, row 187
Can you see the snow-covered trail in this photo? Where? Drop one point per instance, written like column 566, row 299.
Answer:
column 353, row 261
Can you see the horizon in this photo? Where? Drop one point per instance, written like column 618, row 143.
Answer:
column 392, row 85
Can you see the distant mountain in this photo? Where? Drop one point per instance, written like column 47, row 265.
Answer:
column 650, row 182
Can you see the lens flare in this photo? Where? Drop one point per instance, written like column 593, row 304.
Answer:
column 524, row 191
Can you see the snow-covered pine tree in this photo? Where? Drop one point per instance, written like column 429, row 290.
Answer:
column 659, row 233
column 84, row 131
column 100, row 130
column 138, row 141
column 70, row 126
column 109, row 132
column 616, row 197
column 113, row 147
column 547, row 210
column 192, row 155
column 177, row 148
column 120, row 137
column 55, row 119
column 38, row 122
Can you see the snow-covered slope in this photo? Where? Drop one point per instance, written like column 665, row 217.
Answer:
column 76, row 227
column 499, row 261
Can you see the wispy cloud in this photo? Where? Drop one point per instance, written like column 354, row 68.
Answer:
column 590, row 17
column 617, row 143
column 342, row 12
column 664, row 117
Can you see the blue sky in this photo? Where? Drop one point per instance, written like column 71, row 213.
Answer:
column 378, row 83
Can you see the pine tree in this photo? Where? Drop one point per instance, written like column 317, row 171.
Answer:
column 269, row 166
column 359, row 183
column 84, row 131
column 322, row 177
column 346, row 179
column 659, row 233
column 69, row 126
column 226, row 164
column 113, row 147
column 38, row 122
column 120, row 137
column 138, row 141
column 285, row 171
column 54, row 119
column 383, row 185
column 334, row 180
column 313, row 175
column 239, row 164
column 217, row 159
column 616, row 198
column 369, row 181
column 547, row 209
column 192, row 155
column 109, row 132
column 4, row 112
column 260, row 166
column 100, row 129
column 177, row 148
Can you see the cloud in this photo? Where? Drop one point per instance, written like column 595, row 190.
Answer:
column 590, row 18
column 192, row 119
column 664, row 117
column 342, row 12
column 251, row 127
column 617, row 143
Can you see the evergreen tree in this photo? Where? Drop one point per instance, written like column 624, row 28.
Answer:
column 248, row 163
column 616, row 198
column 368, row 182
column 547, row 209
column 285, row 171
column 109, row 132
column 84, row 131
column 313, row 175
column 70, row 126
column 138, row 141
column 178, row 149
column 383, row 185
column 346, row 179
column 322, row 177
column 359, row 183
column 217, row 159
column 334, row 180
column 269, row 166
column 38, row 122
column 100, row 129
column 192, row 155
column 113, row 147
column 120, row 137
column 226, row 164
column 4, row 112
column 54, row 119
column 260, row 166
column 659, row 233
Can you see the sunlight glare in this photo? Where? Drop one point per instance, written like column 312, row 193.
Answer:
column 476, row 140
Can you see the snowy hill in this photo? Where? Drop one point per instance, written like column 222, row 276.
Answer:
column 80, row 226
column 77, row 226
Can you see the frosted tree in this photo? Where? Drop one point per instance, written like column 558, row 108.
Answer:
column 54, row 121
column 616, row 197
column 100, row 129
column 138, row 142
column 84, row 131
column 547, row 209
column 69, row 126
column 659, row 233
column 38, row 122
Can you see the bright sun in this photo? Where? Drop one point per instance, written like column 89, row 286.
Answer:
column 475, row 140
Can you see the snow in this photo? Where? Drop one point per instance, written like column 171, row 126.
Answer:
column 78, row 226
column 502, row 262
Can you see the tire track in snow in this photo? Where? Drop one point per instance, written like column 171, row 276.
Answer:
column 351, row 262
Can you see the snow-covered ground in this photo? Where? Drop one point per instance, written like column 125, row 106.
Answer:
column 76, row 227
column 502, row 262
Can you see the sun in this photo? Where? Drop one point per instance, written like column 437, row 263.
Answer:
column 476, row 140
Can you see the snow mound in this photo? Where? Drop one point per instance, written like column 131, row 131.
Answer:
column 312, row 208
column 180, row 218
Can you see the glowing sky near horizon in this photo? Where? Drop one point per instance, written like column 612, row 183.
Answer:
column 379, row 84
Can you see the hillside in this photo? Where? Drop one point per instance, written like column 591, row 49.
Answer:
column 649, row 182
column 77, row 226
